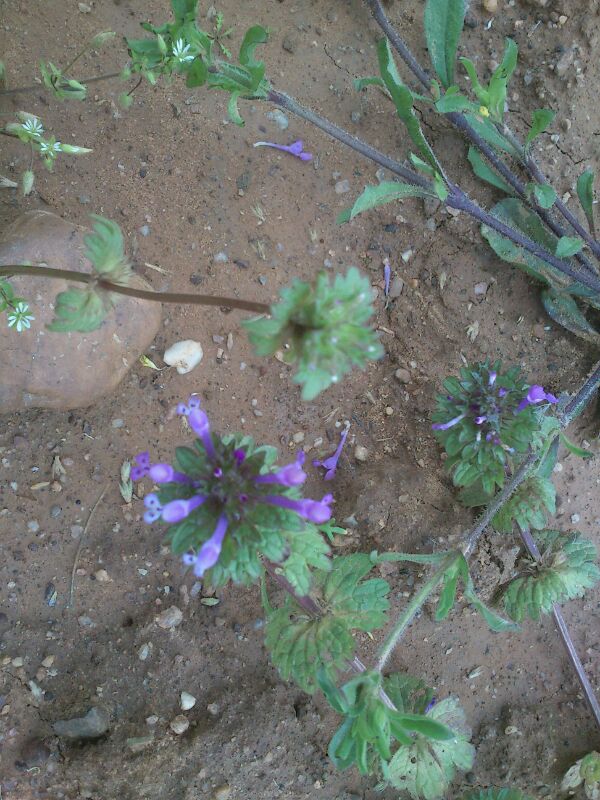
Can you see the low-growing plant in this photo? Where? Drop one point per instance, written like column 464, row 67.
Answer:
column 234, row 515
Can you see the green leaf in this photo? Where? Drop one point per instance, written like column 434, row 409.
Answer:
column 300, row 645
column 563, row 309
column 233, row 110
column 104, row 248
column 572, row 448
column 254, row 36
column 486, row 173
column 308, row 549
column 488, row 131
column 480, row 92
column 499, row 81
column 385, row 192
column 542, row 117
column 362, row 83
column 496, row 794
column 495, row 622
column 184, row 10
column 456, row 103
column 197, row 74
column 425, row 768
column 568, row 246
column 528, row 506
column 444, row 21
column 403, row 100
column 324, row 329
column 62, row 88
column 585, row 193
column 417, row 558
column 81, row 310
column 566, row 570
column 544, row 194
column 27, row 180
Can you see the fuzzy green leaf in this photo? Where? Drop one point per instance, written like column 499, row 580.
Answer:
column 542, row 117
column 385, row 192
column 544, row 194
column 528, row 506
column 324, row 329
column 81, row 310
column 497, row 794
column 566, row 570
column 572, row 448
column 104, row 248
column 301, row 645
column 426, row 768
column 500, row 79
column 563, row 309
column 308, row 549
column 486, row 173
column 362, row 83
column 568, row 246
column 443, row 21
column 585, row 193
column 488, row 131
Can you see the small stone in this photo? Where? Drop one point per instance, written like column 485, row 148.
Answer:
column 389, row 411
column 34, row 753
column 355, row 116
column 17, row 662
column 179, row 724
column 213, row 709
column 491, row 6
column 221, row 257
column 184, row 356
column 117, row 423
column 145, row 230
column 33, row 526
column 86, row 622
column 84, row 8
column 169, row 618
column 102, row 576
column 402, row 375
column 298, row 437
column 48, row 661
column 95, row 723
column 187, row 701
column 279, row 118
column 575, row 518
column 361, row 453
column 396, row 287
column 139, row 743
column 84, row 199
column 55, row 511
column 151, row 720
column 290, row 43
column 341, row 187
column 145, row 651
column 76, row 531
column 221, row 793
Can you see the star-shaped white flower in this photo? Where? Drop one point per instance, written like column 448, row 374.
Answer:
column 33, row 127
column 50, row 148
column 19, row 317
column 181, row 51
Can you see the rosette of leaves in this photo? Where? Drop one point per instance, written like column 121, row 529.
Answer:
column 426, row 767
column 255, row 529
column 566, row 569
column 182, row 47
column 371, row 729
column 477, row 423
column 497, row 794
column 322, row 328
column 302, row 645
column 586, row 771
column 84, row 309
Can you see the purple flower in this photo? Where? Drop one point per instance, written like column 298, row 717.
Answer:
column 209, row 553
column 492, row 378
column 290, row 475
column 199, row 423
column 387, row 274
column 536, row 394
column 295, row 149
column 443, row 426
column 502, row 392
column 142, row 467
column 160, row 473
column 430, row 705
column 316, row 511
column 330, row 464
column 480, row 420
column 175, row 511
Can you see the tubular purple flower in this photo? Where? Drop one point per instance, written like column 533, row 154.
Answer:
column 178, row 510
column 330, row 464
column 198, row 423
column 535, row 395
column 480, row 420
column 502, row 392
column 316, row 511
column 209, row 553
column 164, row 473
column 239, row 456
column 290, row 475
column 492, row 378
column 142, row 466
column 443, row 426
column 154, row 507
column 387, row 274
column 295, row 149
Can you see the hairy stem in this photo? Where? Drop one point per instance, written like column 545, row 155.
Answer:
column 456, row 199
column 563, row 630
column 462, row 124
column 35, row 86
column 410, row 612
column 129, row 291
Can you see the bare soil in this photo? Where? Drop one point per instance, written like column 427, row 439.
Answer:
column 174, row 164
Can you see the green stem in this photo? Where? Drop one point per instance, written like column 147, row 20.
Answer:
column 35, row 86
column 129, row 291
column 410, row 612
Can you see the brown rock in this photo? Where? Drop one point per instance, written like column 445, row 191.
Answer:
column 41, row 369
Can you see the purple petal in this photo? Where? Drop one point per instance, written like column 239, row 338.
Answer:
column 387, row 274
column 536, row 394
column 502, row 392
column 492, row 378
column 443, row 426
column 480, row 420
column 330, row 463
column 290, row 475
column 209, row 553
column 178, row 510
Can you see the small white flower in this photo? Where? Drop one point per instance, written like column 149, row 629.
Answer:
column 19, row 318
column 50, row 148
column 180, row 51
column 33, row 127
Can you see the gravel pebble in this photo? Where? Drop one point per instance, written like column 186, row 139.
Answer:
column 169, row 618
column 179, row 724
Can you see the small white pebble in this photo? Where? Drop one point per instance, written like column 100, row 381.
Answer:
column 184, row 356
column 298, row 437
column 389, row 411
column 361, row 453
column 187, row 701
column 179, row 724
column 575, row 518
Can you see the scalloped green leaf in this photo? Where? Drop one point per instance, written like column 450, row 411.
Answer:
column 81, row 310
column 104, row 248
column 426, row 768
column 568, row 567
column 308, row 550
column 528, row 506
column 541, row 118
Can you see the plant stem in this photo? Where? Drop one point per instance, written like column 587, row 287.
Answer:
column 456, row 199
column 580, row 400
column 33, row 87
column 410, row 612
column 129, row 291
column 462, row 124
column 563, row 630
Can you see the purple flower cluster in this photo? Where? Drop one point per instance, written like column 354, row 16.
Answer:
column 229, row 488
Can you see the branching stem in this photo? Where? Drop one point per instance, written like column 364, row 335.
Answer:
column 35, row 86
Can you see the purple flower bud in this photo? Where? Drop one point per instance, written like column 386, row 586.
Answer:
column 140, row 471
column 164, row 473
column 178, row 510
column 330, row 464
column 316, row 511
column 430, row 705
column 492, row 378
column 295, row 149
column 239, row 456
column 154, row 507
column 387, row 274
column 198, row 423
column 502, row 392
column 480, row 420
column 209, row 553
column 290, row 475
column 218, row 472
column 443, row 426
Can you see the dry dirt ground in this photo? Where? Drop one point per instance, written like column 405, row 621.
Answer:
column 174, row 169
